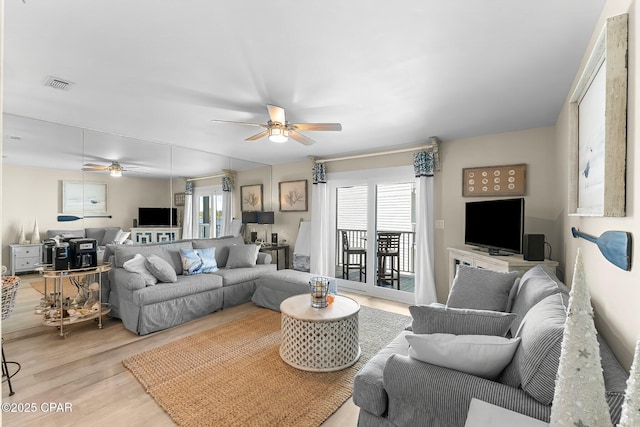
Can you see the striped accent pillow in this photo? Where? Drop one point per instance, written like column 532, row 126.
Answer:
column 535, row 364
column 481, row 289
column 459, row 321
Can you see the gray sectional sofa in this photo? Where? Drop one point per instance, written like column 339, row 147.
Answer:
column 145, row 309
column 394, row 389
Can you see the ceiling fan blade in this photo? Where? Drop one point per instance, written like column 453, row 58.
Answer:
column 93, row 165
column 258, row 135
column 301, row 138
column 316, row 126
column 239, row 123
column 94, row 169
column 276, row 114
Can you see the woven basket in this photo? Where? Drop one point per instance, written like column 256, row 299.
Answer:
column 10, row 285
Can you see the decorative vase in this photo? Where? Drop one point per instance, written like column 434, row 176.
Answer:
column 21, row 238
column 35, row 235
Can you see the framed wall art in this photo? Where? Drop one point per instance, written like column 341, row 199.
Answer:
column 598, row 127
column 178, row 199
column 84, row 197
column 293, row 196
column 251, row 198
column 491, row 181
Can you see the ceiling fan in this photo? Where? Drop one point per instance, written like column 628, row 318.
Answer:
column 115, row 169
column 279, row 130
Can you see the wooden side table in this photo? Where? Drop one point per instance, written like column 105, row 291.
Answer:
column 483, row 414
column 319, row 339
column 277, row 248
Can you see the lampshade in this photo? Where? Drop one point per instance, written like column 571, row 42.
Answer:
column 278, row 134
column 265, row 217
column 249, row 217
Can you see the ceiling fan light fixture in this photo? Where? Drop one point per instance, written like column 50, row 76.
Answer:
column 115, row 170
column 278, row 134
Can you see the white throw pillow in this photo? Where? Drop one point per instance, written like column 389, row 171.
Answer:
column 137, row 264
column 122, row 236
column 481, row 355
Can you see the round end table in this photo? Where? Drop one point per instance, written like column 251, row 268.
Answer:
column 319, row 339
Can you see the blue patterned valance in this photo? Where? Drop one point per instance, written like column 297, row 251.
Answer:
column 188, row 188
column 423, row 163
column 227, row 185
column 319, row 173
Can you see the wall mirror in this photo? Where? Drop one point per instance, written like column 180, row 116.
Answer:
column 38, row 156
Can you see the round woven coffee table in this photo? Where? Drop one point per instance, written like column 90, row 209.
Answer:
column 319, row 339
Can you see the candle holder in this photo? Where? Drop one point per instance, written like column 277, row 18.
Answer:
column 319, row 287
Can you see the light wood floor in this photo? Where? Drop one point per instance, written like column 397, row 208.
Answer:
column 85, row 369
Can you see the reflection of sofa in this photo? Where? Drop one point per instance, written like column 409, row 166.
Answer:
column 395, row 389
column 144, row 309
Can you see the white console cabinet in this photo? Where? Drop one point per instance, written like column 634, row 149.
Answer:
column 155, row 234
column 467, row 255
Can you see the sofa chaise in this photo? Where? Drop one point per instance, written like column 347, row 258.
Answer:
column 146, row 308
column 397, row 389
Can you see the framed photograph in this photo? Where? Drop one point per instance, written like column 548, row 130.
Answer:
column 492, row 181
column 178, row 199
column 293, row 196
column 251, row 197
column 598, row 127
column 84, row 197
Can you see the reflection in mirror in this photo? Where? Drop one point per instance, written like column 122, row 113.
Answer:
column 39, row 156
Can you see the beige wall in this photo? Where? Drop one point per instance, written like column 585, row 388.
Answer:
column 534, row 147
column 615, row 293
column 34, row 193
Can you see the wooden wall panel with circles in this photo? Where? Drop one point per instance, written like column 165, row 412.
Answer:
column 507, row 180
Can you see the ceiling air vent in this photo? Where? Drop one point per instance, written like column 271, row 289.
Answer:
column 57, row 83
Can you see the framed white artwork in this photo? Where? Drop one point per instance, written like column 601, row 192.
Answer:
column 84, row 197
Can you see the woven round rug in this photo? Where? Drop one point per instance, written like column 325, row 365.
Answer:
column 232, row 375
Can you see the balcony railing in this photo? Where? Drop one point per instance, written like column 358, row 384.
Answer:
column 358, row 238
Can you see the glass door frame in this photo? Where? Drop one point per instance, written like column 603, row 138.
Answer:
column 370, row 178
column 198, row 192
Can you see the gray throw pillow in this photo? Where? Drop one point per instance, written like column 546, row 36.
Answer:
column 110, row 235
column 242, row 256
column 161, row 269
column 458, row 321
column 481, row 289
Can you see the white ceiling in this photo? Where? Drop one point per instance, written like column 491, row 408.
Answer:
column 393, row 73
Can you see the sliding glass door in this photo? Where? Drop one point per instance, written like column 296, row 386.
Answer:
column 207, row 211
column 375, row 231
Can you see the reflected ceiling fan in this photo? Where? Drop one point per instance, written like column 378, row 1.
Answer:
column 115, row 169
column 279, row 130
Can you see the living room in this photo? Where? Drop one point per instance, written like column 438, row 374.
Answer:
column 544, row 149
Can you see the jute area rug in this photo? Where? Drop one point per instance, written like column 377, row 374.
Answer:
column 68, row 288
column 232, row 375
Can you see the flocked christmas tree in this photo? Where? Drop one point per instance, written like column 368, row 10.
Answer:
column 631, row 408
column 579, row 398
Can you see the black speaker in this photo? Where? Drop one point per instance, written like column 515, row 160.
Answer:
column 135, row 223
column 274, row 238
column 533, row 247
column 254, row 236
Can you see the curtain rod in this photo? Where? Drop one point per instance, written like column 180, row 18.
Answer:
column 383, row 153
column 220, row 175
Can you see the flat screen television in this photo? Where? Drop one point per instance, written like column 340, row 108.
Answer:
column 157, row 217
column 495, row 225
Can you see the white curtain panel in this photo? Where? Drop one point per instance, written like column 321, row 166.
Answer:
column 425, row 292
column 320, row 225
column 227, row 213
column 187, row 223
column 320, row 233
